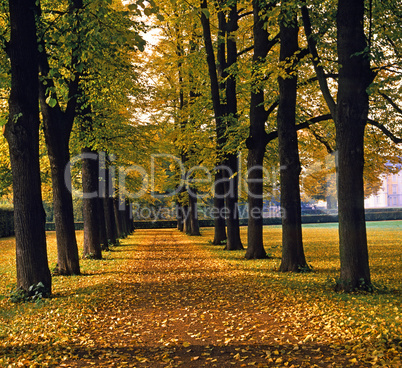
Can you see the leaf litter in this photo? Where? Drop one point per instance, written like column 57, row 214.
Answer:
column 165, row 299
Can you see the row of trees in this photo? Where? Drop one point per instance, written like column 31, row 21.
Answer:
column 67, row 67
column 253, row 75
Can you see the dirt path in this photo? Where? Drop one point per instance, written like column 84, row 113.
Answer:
column 175, row 305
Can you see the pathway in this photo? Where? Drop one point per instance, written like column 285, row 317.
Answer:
column 176, row 305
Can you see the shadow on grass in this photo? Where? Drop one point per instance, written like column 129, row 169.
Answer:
column 191, row 356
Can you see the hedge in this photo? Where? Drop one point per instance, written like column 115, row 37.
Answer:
column 50, row 226
column 6, row 222
column 381, row 214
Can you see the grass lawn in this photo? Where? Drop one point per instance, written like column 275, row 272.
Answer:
column 373, row 319
column 366, row 326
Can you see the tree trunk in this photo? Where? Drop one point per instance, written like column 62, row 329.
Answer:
column 354, row 78
column 331, row 202
column 102, row 194
column 219, row 205
column 128, row 217
column 67, row 249
column 90, row 185
column 103, row 238
column 293, row 258
column 109, row 221
column 186, row 220
column 119, row 228
column 57, row 130
column 110, row 224
column 255, row 244
column 233, row 225
column 195, row 227
column 132, row 218
column 123, row 218
column 256, row 144
column 179, row 216
column 231, row 188
column 22, row 133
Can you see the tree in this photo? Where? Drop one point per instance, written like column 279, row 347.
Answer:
column 231, row 159
column 355, row 76
column 188, row 216
column 58, row 124
column 104, row 117
column 191, row 188
column 219, row 189
column 22, row 134
column 293, row 258
column 225, row 114
column 104, row 240
column 257, row 139
column 354, row 54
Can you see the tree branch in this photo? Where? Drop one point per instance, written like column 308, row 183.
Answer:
column 273, row 135
column 272, row 107
column 273, row 42
column 319, row 70
column 302, row 53
column 247, row 49
column 388, row 133
column 213, row 75
column 311, row 80
column 270, row 45
column 391, row 102
column 322, row 140
column 244, row 14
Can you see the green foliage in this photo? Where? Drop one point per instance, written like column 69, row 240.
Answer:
column 34, row 294
column 349, row 287
column 305, row 268
column 90, row 256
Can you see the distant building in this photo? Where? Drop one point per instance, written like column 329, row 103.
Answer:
column 390, row 194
